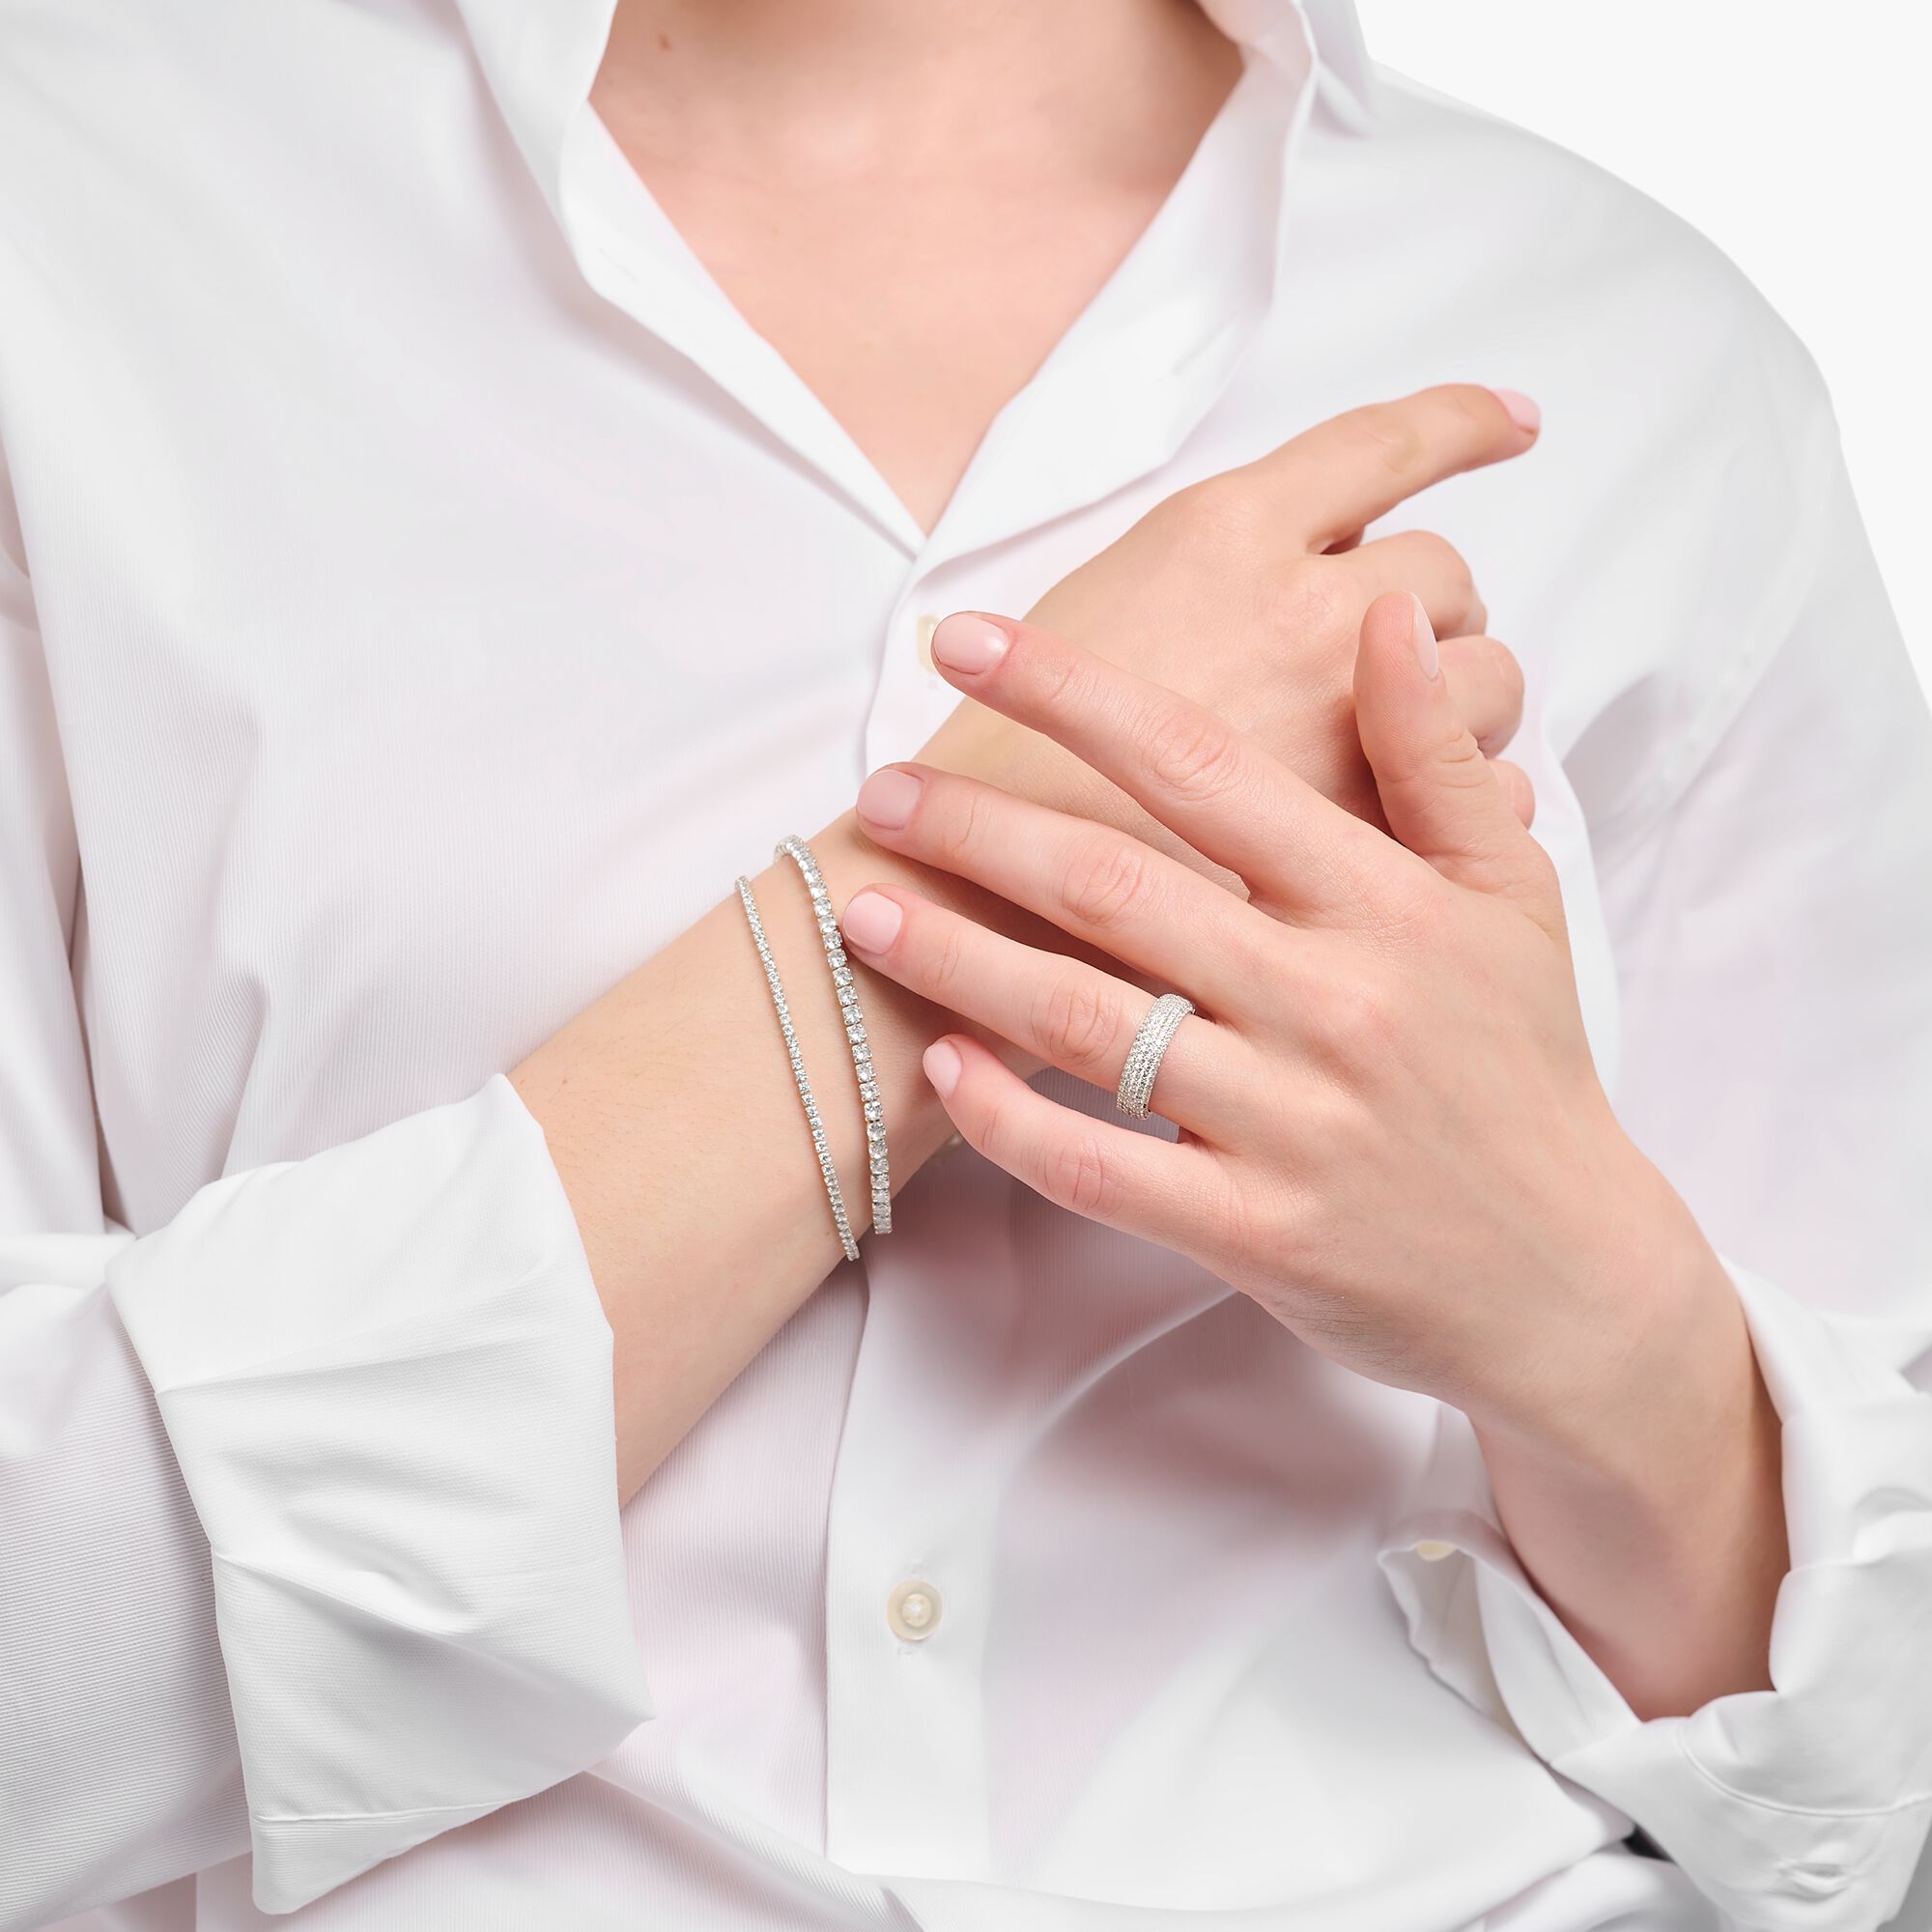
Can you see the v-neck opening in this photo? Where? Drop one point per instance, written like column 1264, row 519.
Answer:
column 610, row 209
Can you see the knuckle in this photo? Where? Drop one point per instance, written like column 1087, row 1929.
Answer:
column 1320, row 601
column 1450, row 563
column 983, row 1127
column 962, row 830
column 1459, row 760
column 1078, row 1174
column 1462, row 415
column 1219, row 519
column 1357, row 1021
column 1515, row 780
column 942, row 960
column 1106, row 882
column 1488, row 685
column 1391, row 435
column 1192, row 754
column 1059, row 676
column 1473, row 408
column 1508, row 673
column 1077, row 1020
column 1541, row 874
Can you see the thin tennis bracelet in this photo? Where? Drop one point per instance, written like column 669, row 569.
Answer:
column 820, row 1146
column 846, row 984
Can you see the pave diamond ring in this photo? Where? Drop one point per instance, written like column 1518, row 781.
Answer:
column 1156, row 1034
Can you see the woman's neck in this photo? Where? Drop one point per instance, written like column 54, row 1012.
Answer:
column 912, row 200
column 832, row 89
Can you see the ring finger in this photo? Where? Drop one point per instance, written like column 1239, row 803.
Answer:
column 1060, row 1010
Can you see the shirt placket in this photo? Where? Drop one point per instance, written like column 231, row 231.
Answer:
column 914, row 1531
column 915, row 1507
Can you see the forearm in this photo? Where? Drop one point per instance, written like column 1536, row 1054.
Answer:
column 1647, row 1507
column 672, row 1115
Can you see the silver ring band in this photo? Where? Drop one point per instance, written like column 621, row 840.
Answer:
column 1153, row 1039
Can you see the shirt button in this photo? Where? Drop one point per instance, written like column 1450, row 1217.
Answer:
column 928, row 624
column 1434, row 1553
column 913, row 1610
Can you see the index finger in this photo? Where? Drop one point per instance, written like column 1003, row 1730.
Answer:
column 1333, row 480
column 1219, row 790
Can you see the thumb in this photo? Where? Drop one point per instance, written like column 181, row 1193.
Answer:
column 1441, row 797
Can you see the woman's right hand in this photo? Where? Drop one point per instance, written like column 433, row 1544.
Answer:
column 1246, row 592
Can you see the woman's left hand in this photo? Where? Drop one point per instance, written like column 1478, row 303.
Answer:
column 1393, row 1136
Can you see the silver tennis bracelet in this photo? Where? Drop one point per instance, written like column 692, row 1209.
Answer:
column 844, row 984
column 827, row 1172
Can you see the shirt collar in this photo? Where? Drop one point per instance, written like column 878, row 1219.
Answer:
column 541, row 56
column 1275, row 30
column 1169, row 329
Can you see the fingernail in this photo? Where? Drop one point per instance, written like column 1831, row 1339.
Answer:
column 942, row 1063
column 872, row 921
column 1423, row 637
column 965, row 642
column 887, row 799
column 1523, row 412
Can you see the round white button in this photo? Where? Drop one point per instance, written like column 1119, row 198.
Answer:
column 913, row 1609
column 928, row 624
column 1434, row 1553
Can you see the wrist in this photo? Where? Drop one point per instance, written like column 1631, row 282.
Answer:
column 1652, row 1407
column 1648, row 1353
column 1648, row 1506
column 899, row 1024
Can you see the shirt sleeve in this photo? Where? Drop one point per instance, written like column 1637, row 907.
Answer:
column 309, row 1497
column 1772, row 916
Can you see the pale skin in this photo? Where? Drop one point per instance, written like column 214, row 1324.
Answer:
column 702, row 1262
column 912, row 203
column 1394, row 1138
column 810, row 153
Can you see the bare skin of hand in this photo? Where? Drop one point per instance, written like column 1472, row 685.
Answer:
column 1253, row 584
column 704, row 1223
column 1392, row 1132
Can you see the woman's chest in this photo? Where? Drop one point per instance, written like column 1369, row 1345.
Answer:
column 398, row 733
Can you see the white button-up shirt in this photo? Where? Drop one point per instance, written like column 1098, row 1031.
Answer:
column 422, row 593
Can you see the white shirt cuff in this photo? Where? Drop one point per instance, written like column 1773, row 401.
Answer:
column 1802, row 1806
column 388, row 1379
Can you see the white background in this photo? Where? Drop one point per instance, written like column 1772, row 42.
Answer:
column 1798, row 137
